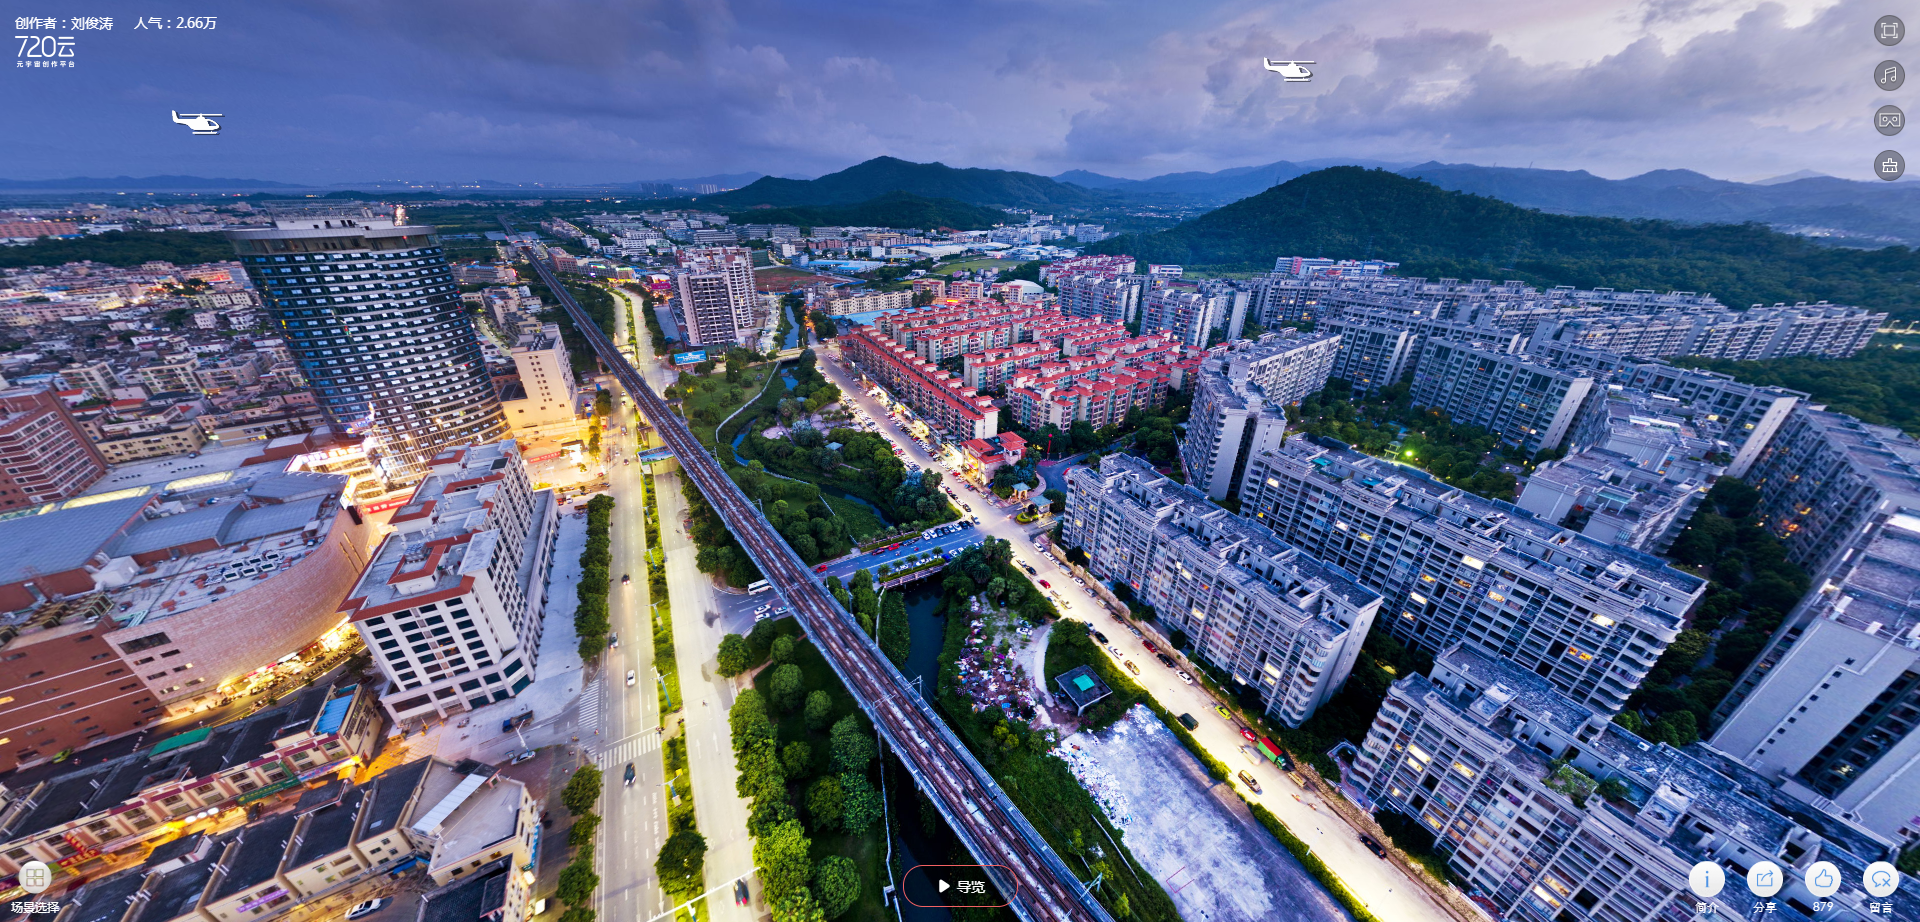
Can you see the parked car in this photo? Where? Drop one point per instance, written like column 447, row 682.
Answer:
column 1247, row 780
column 524, row 756
column 1221, row 709
column 1099, row 637
column 1164, row 659
column 1116, row 652
column 1188, row 721
column 367, row 908
column 1045, row 585
column 1131, row 667
column 1150, row 647
column 740, row 893
column 1249, row 734
column 1373, row 846
column 631, row 678
column 1184, row 676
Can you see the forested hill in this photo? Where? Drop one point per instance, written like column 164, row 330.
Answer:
column 882, row 175
column 1349, row 212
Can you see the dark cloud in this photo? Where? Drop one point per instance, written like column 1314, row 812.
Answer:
column 596, row 90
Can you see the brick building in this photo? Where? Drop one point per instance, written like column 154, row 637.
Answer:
column 44, row 457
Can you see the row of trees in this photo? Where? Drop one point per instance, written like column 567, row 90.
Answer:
column 816, row 784
column 1467, row 457
column 590, row 620
column 577, row 879
column 877, row 610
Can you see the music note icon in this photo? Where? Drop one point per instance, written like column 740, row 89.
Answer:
column 1890, row 75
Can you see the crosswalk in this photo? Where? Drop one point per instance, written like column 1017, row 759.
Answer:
column 590, row 706
column 627, row 750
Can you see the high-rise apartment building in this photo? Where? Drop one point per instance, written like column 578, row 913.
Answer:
column 1830, row 708
column 371, row 313
column 1745, row 416
column 1553, row 813
column 1455, row 568
column 450, row 605
column 44, row 456
column 1277, row 619
column 1827, row 477
column 1521, row 401
column 1188, row 314
column 1242, row 387
column 714, row 297
column 1774, row 332
column 1111, row 298
column 547, row 391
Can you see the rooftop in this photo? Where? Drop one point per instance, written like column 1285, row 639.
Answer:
column 392, row 790
column 262, row 847
column 468, row 899
column 106, row 900
column 177, row 893
column 329, row 829
column 489, row 814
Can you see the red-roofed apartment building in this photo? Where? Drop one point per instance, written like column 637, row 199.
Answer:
column 452, row 602
column 981, row 457
column 956, row 411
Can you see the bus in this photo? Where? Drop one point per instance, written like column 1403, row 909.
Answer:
column 758, row 587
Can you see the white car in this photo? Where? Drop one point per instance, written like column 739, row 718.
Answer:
column 1185, row 676
column 630, row 677
column 367, row 908
column 763, row 609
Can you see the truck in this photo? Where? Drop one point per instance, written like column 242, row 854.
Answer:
column 1275, row 754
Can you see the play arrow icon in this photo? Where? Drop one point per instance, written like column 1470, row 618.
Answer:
column 943, row 886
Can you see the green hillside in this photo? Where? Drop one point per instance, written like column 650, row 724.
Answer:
column 882, row 175
column 121, row 248
column 894, row 209
column 1349, row 212
column 1881, row 385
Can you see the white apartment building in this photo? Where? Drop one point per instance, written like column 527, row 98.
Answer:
column 1455, row 568
column 450, row 605
column 547, row 390
column 1826, row 477
column 861, row 302
column 1269, row 614
column 1237, row 407
column 1829, row 709
column 1188, row 314
column 1745, row 416
column 1112, row 298
column 1506, row 771
column 714, row 299
column 1610, row 498
column 1521, row 401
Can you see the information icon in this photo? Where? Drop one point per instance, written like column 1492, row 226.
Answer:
column 1706, row 879
column 1889, row 30
column 1765, row 879
column 35, row 877
column 1889, row 165
column 1888, row 120
column 1889, row 75
column 1880, row 879
column 1823, row 879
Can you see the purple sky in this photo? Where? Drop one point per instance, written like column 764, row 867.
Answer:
column 616, row 90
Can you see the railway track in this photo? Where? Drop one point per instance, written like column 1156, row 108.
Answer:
column 1038, row 884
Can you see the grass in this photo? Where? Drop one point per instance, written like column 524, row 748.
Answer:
column 951, row 268
column 860, row 519
column 867, row 851
column 660, row 611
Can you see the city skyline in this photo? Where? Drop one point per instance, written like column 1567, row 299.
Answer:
column 589, row 93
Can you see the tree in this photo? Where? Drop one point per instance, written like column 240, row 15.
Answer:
column 1678, row 728
column 797, row 759
column 781, row 854
column 734, row 655
column 577, row 883
column 825, row 802
column 782, row 650
column 798, row 906
column 582, row 790
column 681, row 858
column 1056, row 500
column 787, row 686
column 819, row 710
column 836, row 884
column 860, row 804
column 748, row 721
column 584, row 825
column 852, row 745
column 577, row 914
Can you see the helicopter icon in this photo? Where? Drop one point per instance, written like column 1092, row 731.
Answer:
column 200, row 122
column 1291, row 70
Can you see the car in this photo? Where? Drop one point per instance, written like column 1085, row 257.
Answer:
column 1247, row 780
column 1221, row 709
column 1164, row 659
column 1080, row 581
column 613, row 640
column 740, row 893
column 523, row 756
column 1064, row 603
column 820, row 569
column 1188, row 721
column 1184, row 675
column 631, row 678
column 1373, row 846
column 367, row 908
column 1150, row 647
column 1116, row 652
column 1131, row 667
column 1133, row 630
column 626, row 578
column 1045, row 585
column 967, row 506
column 629, row 774
column 1249, row 734
column 877, row 552
column 1099, row 637
column 763, row 609
column 762, row 616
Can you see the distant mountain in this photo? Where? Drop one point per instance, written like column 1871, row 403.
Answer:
column 145, row 183
column 1350, row 212
column 1790, row 177
column 1089, row 179
column 881, row 175
column 894, row 209
column 1232, row 184
column 1857, row 213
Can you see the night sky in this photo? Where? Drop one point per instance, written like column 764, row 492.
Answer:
column 588, row 91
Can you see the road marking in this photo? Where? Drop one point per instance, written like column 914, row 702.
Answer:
column 627, row 750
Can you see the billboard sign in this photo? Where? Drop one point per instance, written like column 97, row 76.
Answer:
column 690, row 358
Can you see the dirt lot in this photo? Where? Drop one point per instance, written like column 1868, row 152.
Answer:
column 1193, row 834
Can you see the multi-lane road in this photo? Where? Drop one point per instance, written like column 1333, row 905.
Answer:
column 1040, row 885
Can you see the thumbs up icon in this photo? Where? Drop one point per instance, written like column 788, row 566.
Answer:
column 1823, row 878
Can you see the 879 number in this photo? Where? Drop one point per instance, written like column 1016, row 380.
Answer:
column 45, row 46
